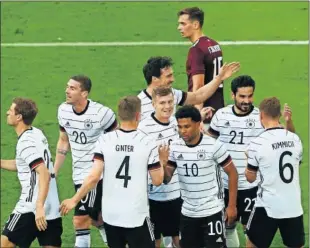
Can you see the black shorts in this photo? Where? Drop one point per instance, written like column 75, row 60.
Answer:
column 261, row 229
column 137, row 237
column 91, row 203
column 165, row 215
column 203, row 232
column 20, row 229
column 52, row 235
column 245, row 203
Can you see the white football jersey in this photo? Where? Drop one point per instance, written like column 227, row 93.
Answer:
column 236, row 131
column 146, row 101
column 277, row 154
column 83, row 130
column 163, row 133
column 127, row 156
column 199, row 170
column 31, row 150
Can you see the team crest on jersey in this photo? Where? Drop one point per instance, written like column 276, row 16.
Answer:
column 250, row 123
column 201, row 155
column 87, row 124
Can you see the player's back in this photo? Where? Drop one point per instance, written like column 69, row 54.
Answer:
column 279, row 154
column 127, row 157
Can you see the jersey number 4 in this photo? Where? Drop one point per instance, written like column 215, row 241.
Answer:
column 124, row 176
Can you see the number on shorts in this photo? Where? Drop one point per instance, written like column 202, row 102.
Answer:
column 248, row 201
column 215, row 226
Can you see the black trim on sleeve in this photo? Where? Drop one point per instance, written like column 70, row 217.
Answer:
column 35, row 163
column 226, row 161
column 213, row 132
column 62, row 129
column 112, row 127
column 98, row 156
column 252, row 168
column 154, row 166
column 172, row 164
column 184, row 97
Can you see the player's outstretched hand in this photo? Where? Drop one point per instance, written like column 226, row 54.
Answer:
column 163, row 151
column 227, row 70
column 40, row 218
column 231, row 215
column 66, row 206
column 287, row 113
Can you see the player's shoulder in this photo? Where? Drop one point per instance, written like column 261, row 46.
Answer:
column 255, row 111
column 177, row 142
column 65, row 107
column 143, row 94
column 176, row 92
column 204, row 42
column 227, row 110
column 146, row 123
column 98, row 107
column 32, row 135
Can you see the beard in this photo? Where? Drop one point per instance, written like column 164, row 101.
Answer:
column 244, row 107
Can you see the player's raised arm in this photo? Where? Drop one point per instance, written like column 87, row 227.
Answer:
column 62, row 149
column 8, row 165
column 287, row 114
column 205, row 92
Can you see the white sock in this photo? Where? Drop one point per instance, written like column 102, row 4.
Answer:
column 103, row 234
column 82, row 238
column 167, row 242
column 232, row 239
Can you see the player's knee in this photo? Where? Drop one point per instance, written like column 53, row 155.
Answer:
column 5, row 242
column 82, row 222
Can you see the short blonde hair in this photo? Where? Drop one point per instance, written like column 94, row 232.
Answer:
column 128, row 106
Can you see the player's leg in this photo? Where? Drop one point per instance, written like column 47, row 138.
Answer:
column 20, row 230
column 246, row 204
column 213, row 231
column 232, row 239
column 260, row 229
column 157, row 220
column 116, row 236
column 51, row 237
column 82, row 220
column 292, row 231
column 171, row 212
column 141, row 237
column 96, row 214
column 189, row 230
